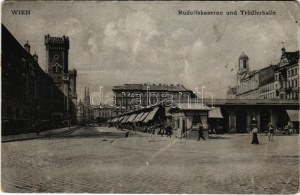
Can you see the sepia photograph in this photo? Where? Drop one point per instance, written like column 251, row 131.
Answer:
column 150, row 97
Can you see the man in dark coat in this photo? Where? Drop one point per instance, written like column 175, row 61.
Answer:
column 200, row 132
column 168, row 130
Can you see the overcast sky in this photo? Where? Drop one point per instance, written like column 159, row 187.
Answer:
column 113, row 43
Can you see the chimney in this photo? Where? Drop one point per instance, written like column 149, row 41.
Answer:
column 35, row 57
column 27, row 47
column 283, row 50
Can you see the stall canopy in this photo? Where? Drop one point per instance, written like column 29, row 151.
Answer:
column 125, row 119
column 137, row 118
column 144, row 116
column 190, row 106
column 215, row 113
column 121, row 118
column 151, row 115
column 293, row 115
column 131, row 118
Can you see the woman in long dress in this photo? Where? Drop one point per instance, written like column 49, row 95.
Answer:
column 254, row 137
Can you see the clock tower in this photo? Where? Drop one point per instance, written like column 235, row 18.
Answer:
column 57, row 56
column 57, row 63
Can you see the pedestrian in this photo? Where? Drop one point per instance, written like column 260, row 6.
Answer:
column 161, row 129
column 134, row 127
column 200, row 132
column 286, row 130
column 152, row 133
column 254, row 136
column 271, row 132
column 168, row 130
column 36, row 128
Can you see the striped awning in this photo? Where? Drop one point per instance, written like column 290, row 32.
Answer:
column 144, row 116
column 151, row 115
column 137, row 118
column 131, row 118
column 120, row 118
column 125, row 119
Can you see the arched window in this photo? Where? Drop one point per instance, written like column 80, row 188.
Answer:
column 57, row 68
column 244, row 63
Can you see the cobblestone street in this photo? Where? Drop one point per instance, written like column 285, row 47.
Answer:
column 135, row 165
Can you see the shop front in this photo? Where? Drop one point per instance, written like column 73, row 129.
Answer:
column 186, row 119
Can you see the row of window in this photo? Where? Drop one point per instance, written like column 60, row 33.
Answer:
column 17, row 113
column 292, row 95
column 269, row 96
column 267, row 88
column 247, row 86
column 292, row 83
column 291, row 72
column 155, row 94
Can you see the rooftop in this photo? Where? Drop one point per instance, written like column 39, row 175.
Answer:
column 151, row 87
column 292, row 57
column 266, row 75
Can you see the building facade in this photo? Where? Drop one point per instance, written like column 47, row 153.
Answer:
column 104, row 112
column 133, row 96
column 280, row 81
column 57, row 64
column 80, row 112
column 72, row 88
column 287, row 76
column 88, row 113
column 29, row 95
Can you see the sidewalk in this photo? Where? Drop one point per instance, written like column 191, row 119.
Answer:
column 42, row 134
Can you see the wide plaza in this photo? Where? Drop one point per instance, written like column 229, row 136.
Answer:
column 80, row 161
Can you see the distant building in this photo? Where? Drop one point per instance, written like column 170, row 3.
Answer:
column 80, row 112
column 278, row 81
column 72, row 88
column 105, row 112
column 132, row 96
column 267, row 83
column 286, row 75
column 231, row 93
column 88, row 114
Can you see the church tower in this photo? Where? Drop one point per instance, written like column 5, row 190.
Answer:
column 243, row 63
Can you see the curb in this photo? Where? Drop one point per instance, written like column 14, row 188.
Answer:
column 29, row 136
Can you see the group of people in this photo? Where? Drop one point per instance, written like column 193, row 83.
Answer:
column 270, row 133
column 160, row 130
column 255, row 132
